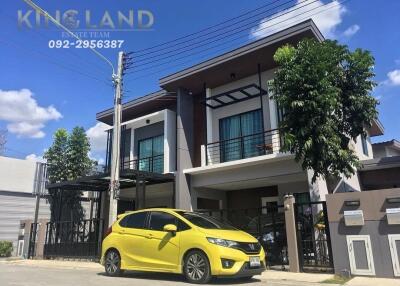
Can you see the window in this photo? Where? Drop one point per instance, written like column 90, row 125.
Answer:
column 151, row 153
column 241, row 136
column 137, row 220
column 160, row 219
column 364, row 145
column 302, row 198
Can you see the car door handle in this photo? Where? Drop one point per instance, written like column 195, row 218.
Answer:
column 149, row 236
column 122, row 231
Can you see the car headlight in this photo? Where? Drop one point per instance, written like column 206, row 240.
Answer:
column 222, row 242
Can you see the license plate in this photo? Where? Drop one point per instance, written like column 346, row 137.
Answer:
column 255, row 261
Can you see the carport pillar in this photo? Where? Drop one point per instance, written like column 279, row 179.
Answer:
column 140, row 201
column 291, row 235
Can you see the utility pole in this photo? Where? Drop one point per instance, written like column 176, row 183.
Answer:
column 116, row 139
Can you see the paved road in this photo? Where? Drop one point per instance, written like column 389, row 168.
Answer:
column 15, row 275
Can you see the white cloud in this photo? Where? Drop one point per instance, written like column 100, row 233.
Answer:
column 351, row 31
column 24, row 116
column 98, row 137
column 34, row 157
column 393, row 77
column 326, row 21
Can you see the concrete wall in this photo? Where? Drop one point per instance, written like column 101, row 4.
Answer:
column 374, row 205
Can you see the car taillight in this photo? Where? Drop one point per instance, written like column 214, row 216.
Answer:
column 108, row 231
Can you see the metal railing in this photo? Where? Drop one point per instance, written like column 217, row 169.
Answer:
column 267, row 224
column 248, row 146
column 153, row 164
column 73, row 239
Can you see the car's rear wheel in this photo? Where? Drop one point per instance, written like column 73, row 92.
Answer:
column 197, row 267
column 112, row 263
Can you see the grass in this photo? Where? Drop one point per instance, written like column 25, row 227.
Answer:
column 337, row 279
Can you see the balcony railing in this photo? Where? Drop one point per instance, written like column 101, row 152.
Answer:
column 153, row 164
column 243, row 147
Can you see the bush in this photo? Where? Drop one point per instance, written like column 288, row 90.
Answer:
column 6, row 248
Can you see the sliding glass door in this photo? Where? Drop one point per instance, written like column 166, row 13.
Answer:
column 150, row 157
column 241, row 136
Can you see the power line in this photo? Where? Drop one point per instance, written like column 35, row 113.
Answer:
column 191, row 48
column 176, row 42
column 58, row 24
column 50, row 60
column 213, row 53
column 84, row 60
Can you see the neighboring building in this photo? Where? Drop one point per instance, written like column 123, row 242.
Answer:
column 19, row 179
column 386, row 149
column 383, row 171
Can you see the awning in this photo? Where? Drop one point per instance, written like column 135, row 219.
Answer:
column 100, row 182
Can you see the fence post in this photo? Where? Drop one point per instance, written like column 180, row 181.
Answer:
column 291, row 236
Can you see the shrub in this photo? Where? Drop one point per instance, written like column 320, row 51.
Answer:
column 6, row 248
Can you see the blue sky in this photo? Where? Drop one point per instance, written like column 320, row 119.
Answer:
column 42, row 89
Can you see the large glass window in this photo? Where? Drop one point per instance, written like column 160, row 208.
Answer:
column 364, row 145
column 151, row 154
column 241, row 136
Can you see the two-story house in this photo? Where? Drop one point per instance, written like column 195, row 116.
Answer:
column 214, row 128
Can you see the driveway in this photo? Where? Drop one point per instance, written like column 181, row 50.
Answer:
column 85, row 274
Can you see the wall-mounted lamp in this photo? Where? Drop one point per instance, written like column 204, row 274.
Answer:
column 393, row 200
column 147, row 121
column 355, row 203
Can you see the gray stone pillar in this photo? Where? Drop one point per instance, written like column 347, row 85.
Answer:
column 291, row 234
column 185, row 146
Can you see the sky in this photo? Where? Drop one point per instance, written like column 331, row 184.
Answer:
column 43, row 89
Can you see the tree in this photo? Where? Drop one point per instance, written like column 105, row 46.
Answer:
column 324, row 90
column 68, row 159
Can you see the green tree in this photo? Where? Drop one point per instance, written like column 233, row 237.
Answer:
column 57, row 170
column 324, row 90
column 68, row 159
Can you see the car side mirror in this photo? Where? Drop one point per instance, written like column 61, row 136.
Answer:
column 170, row 228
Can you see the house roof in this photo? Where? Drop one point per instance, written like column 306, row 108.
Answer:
column 380, row 163
column 242, row 61
column 140, row 106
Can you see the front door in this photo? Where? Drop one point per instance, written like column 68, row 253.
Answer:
column 162, row 247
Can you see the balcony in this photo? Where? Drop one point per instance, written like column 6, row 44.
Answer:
column 243, row 147
column 154, row 164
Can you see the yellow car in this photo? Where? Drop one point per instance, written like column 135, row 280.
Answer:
column 179, row 241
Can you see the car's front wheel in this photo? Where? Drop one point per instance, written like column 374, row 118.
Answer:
column 197, row 267
column 112, row 263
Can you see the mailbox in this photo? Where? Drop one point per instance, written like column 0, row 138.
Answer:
column 353, row 218
column 393, row 215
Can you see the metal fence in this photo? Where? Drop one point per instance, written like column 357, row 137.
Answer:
column 153, row 164
column 248, row 146
column 267, row 224
column 73, row 239
column 315, row 252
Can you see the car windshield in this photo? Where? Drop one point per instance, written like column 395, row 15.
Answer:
column 205, row 221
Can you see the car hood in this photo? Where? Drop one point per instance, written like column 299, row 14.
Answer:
column 235, row 235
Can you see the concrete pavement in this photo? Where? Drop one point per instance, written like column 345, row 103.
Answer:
column 81, row 273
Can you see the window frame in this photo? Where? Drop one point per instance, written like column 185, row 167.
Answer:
column 152, row 150
column 146, row 220
column 177, row 221
column 364, row 144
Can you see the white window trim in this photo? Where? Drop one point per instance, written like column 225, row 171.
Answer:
column 368, row 250
column 393, row 252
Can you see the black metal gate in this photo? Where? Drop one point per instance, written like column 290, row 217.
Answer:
column 73, row 239
column 315, row 251
column 267, row 224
